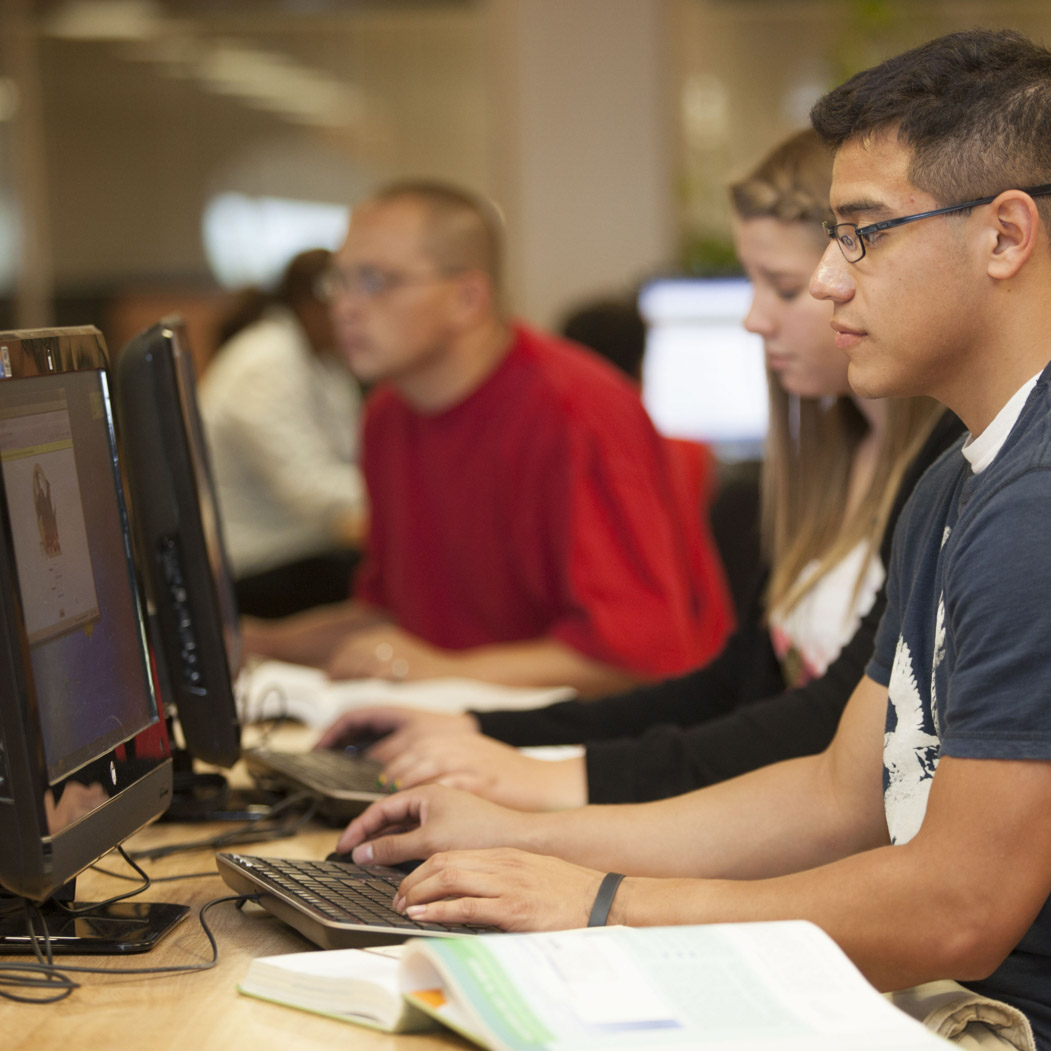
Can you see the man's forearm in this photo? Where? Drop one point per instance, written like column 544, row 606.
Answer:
column 309, row 637
column 871, row 904
column 780, row 819
column 544, row 662
column 952, row 902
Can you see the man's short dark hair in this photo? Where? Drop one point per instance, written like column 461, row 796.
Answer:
column 974, row 109
column 465, row 230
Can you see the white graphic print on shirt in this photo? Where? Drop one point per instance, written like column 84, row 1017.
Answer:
column 911, row 744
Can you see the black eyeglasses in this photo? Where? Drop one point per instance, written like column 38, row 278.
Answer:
column 852, row 238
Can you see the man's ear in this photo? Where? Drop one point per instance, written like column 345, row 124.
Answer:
column 474, row 293
column 1016, row 228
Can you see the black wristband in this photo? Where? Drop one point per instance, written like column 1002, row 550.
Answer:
column 607, row 889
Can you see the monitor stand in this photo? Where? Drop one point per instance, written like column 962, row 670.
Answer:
column 122, row 927
column 208, row 796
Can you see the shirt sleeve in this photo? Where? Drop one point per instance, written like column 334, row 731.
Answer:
column 746, row 668
column 992, row 626
column 669, row 760
column 630, row 597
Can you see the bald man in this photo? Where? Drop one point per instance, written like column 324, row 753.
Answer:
column 523, row 529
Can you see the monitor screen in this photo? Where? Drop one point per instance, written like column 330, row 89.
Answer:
column 84, row 759
column 189, row 589
column 703, row 375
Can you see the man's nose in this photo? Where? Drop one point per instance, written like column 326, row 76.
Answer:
column 832, row 279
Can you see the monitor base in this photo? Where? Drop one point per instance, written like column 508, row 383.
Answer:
column 123, row 927
column 209, row 797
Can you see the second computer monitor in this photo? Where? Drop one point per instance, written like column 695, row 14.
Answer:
column 177, row 527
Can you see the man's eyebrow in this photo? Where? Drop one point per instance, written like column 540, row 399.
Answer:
column 867, row 207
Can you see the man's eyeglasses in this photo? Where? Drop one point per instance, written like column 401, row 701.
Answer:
column 369, row 281
column 852, row 238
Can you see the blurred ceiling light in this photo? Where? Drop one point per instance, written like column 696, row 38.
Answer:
column 175, row 54
column 274, row 82
column 266, row 80
column 130, row 20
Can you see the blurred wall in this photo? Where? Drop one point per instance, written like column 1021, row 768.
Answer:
column 606, row 129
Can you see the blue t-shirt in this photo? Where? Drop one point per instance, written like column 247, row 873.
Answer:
column 964, row 650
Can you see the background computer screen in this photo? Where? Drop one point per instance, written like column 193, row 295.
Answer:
column 85, row 757
column 193, row 612
column 703, row 376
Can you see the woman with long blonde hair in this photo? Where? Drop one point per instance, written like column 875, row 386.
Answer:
column 837, row 470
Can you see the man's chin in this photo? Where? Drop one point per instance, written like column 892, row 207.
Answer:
column 865, row 383
column 361, row 367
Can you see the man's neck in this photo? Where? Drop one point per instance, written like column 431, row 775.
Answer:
column 453, row 376
column 979, row 401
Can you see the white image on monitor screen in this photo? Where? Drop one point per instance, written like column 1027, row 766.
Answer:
column 50, row 538
column 703, row 375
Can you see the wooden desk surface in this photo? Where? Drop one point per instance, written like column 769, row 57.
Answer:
column 200, row 1011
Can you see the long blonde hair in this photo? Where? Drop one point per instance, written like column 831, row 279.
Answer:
column 811, row 443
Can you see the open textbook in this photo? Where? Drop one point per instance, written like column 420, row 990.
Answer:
column 727, row 987
column 274, row 689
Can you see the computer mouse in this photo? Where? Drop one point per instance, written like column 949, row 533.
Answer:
column 362, row 743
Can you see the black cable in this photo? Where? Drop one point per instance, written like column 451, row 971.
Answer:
column 73, row 910
column 249, row 832
column 155, row 879
column 45, row 974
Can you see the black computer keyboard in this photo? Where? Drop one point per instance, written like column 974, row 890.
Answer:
column 342, row 785
column 334, row 904
column 326, row 770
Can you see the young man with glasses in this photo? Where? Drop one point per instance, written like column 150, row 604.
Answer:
column 522, row 526
column 921, row 839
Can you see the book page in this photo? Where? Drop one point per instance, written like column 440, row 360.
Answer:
column 353, row 985
column 737, row 986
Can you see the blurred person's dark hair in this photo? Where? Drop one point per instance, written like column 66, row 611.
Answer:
column 300, row 277
column 612, row 327
column 295, row 287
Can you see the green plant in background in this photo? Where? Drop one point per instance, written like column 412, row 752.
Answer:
column 868, row 31
column 871, row 32
column 705, row 255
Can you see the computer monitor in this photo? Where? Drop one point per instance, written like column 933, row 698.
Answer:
column 84, row 757
column 703, row 375
column 193, row 611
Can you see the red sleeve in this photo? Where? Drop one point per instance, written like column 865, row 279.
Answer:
column 368, row 577
column 644, row 589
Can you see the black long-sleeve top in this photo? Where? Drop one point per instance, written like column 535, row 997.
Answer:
column 726, row 718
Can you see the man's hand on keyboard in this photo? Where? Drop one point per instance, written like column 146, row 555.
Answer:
column 422, row 821
column 389, row 652
column 396, row 728
column 503, row 887
column 489, row 769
